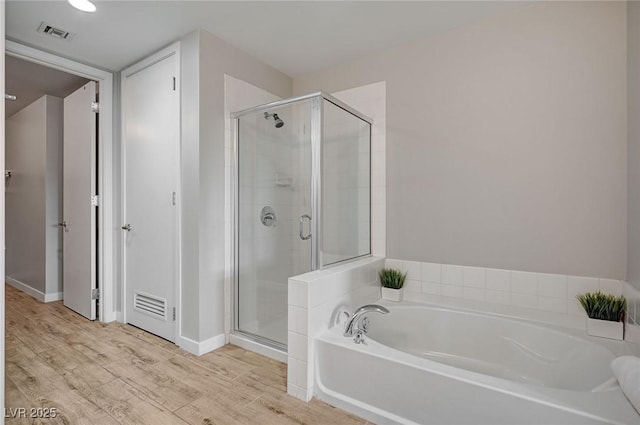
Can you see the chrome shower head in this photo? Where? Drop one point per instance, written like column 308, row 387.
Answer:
column 276, row 118
column 279, row 122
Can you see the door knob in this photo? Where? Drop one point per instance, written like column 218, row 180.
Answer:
column 127, row 227
column 62, row 224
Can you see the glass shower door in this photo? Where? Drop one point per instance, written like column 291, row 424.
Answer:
column 273, row 216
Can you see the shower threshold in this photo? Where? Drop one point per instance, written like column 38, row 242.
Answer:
column 258, row 345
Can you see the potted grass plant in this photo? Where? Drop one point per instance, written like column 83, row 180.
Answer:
column 606, row 314
column 392, row 281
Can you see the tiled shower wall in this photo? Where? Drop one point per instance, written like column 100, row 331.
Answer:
column 550, row 293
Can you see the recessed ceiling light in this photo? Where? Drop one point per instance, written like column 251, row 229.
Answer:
column 84, row 5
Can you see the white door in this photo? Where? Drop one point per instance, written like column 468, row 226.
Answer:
column 151, row 117
column 79, row 215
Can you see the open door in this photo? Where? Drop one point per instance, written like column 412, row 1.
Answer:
column 80, row 201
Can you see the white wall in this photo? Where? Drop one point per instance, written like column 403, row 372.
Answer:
column 34, row 207
column 205, row 60
column 633, row 158
column 633, row 145
column 506, row 140
column 53, row 195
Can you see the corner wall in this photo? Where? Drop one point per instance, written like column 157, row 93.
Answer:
column 633, row 143
column 506, row 140
column 205, row 60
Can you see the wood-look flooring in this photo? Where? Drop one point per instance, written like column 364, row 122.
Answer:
column 103, row 374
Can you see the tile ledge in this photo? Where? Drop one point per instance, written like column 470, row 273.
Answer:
column 552, row 318
column 573, row 325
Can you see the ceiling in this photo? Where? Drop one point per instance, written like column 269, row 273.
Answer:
column 295, row 37
column 29, row 82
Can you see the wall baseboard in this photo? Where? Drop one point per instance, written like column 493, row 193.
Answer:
column 118, row 316
column 38, row 295
column 56, row 296
column 203, row 347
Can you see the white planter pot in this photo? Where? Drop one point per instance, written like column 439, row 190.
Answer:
column 392, row 294
column 605, row 329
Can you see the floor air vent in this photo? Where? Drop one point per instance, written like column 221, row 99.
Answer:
column 151, row 305
column 55, row 32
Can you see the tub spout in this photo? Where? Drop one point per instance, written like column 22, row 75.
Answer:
column 353, row 325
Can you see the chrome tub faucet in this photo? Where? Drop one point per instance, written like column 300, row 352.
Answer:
column 357, row 324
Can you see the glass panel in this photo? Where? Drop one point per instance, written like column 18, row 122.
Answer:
column 346, row 159
column 274, row 192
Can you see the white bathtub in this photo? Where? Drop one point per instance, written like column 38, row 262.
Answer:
column 433, row 365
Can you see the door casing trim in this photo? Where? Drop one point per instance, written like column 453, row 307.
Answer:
column 106, row 266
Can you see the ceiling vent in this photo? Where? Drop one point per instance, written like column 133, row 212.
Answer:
column 55, row 32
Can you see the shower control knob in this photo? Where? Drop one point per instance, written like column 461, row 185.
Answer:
column 268, row 217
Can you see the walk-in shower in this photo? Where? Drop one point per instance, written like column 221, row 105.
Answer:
column 302, row 187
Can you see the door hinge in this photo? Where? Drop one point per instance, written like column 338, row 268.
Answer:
column 95, row 200
column 95, row 107
column 95, row 294
column 174, row 83
column 173, row 198
column 174, row 314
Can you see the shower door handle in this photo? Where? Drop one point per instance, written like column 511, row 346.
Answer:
column 301, row 226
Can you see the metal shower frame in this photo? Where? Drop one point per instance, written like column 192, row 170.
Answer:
column 317, row 113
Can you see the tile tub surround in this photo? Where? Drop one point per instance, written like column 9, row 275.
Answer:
column 315, row 300
column 552, row 294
